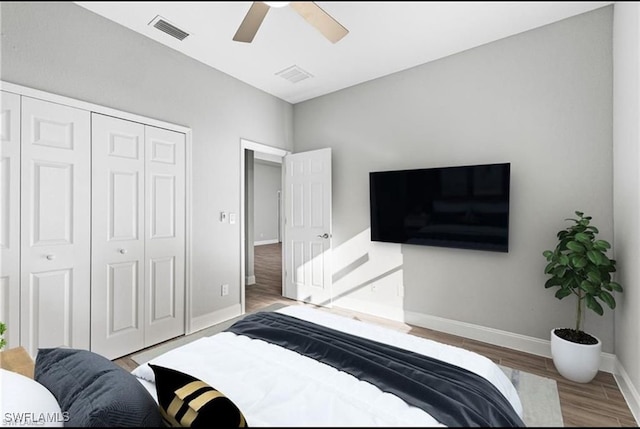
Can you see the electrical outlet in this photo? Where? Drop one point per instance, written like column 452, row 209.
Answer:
column 224, row 290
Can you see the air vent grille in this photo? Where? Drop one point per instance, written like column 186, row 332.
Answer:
column 165, row 26
column 294, row 74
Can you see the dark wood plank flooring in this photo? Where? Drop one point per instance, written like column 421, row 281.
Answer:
column 595, row 404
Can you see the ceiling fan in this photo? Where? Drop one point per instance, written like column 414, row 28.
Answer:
column 310, row 11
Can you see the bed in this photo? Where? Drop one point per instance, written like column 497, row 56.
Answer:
column 278, row 382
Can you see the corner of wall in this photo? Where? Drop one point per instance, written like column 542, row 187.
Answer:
column 628, row 390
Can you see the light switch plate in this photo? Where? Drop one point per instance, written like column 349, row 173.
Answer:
column 223, row 216
column 232, row 218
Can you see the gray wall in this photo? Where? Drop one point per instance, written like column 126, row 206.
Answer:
column 626, row 141
column 267, row 183
column 64, row 49
column 541, row 100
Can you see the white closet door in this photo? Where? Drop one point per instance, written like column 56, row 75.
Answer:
column 55, row 251
column 165, row 234
column 10, row 217
column 117, row 248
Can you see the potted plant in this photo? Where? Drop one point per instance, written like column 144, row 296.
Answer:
column 580, row 267
column 3, row 328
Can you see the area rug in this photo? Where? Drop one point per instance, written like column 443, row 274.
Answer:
column 539, row 395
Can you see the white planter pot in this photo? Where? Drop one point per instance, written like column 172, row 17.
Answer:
column 576, row 362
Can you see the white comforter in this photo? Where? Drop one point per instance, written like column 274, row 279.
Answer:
column 273, row 386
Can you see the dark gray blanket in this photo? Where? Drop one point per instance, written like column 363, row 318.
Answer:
column 452, row 395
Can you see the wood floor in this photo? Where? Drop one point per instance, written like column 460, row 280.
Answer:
column 595, row 404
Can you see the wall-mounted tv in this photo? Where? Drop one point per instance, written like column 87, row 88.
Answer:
column 464, row 207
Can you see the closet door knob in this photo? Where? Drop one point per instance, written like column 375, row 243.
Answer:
column 50, row 257
column 123, row 251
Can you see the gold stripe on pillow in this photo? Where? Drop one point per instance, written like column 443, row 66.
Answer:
column 170, row 419
column 188, row 418
column 189, row 388
column 202, row 400
column 175, row 406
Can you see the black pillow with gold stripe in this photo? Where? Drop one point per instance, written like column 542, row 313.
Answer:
column 186, row 401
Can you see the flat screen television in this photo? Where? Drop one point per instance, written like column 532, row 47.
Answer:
column 464, row 207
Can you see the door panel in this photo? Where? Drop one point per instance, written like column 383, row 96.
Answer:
column 117, row 283
column 52, row 203
column 124, row 204
column 55, row 251
column 123, row 313
column 10, row 216
column 165, row 235
column 307, row 229
column 50, row 318
column 163, row 206
column 163, row 289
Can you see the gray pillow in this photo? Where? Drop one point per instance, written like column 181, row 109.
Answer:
column 95, row 391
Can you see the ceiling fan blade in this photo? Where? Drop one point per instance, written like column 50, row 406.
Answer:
column 251, row 22
column 329, row 27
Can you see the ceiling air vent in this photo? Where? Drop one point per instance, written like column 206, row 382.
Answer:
column 294, row 74
column 165, row 26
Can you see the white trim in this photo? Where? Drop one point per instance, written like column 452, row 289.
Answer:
column 201, row 322
column 629, row 391
column 496, row 337
column 188, row 245
column 379, row 310
column 256, row 147
column 96, row 108
column 267, row 157
column 250, row 280
column 263, row 148
column 263, row 242
column 91, row 107
column 524, row 343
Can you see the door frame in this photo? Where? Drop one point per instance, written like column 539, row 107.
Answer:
column 270, row 150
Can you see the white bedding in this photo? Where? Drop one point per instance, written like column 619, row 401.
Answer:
column 273, row 386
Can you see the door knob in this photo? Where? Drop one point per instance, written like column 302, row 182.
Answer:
column 122, row 251
column 50, row 257
column 325, row 235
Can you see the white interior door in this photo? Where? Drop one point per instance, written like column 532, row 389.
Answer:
column 307, row 230
column 56, row 207
column 165, row 234
column 10, row 217
column 117, row 248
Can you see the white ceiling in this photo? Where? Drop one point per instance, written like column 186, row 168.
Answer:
column 384, row 37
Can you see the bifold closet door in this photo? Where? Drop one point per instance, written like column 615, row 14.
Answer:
column 10, row 217
column 55, row 233
column 137, row 236
column 117, row 249
column 165, row 234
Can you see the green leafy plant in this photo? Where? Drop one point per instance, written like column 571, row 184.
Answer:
column 3, row 328
column 579, row 266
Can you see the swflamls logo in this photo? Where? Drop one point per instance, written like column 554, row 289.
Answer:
column 33, row 419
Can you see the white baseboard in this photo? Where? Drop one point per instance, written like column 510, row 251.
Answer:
column 628, row 390
column 523, row 343
column 200, row 322
column 372, row 308
column 496, row 337
column 250, row 280
column 260, row 243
